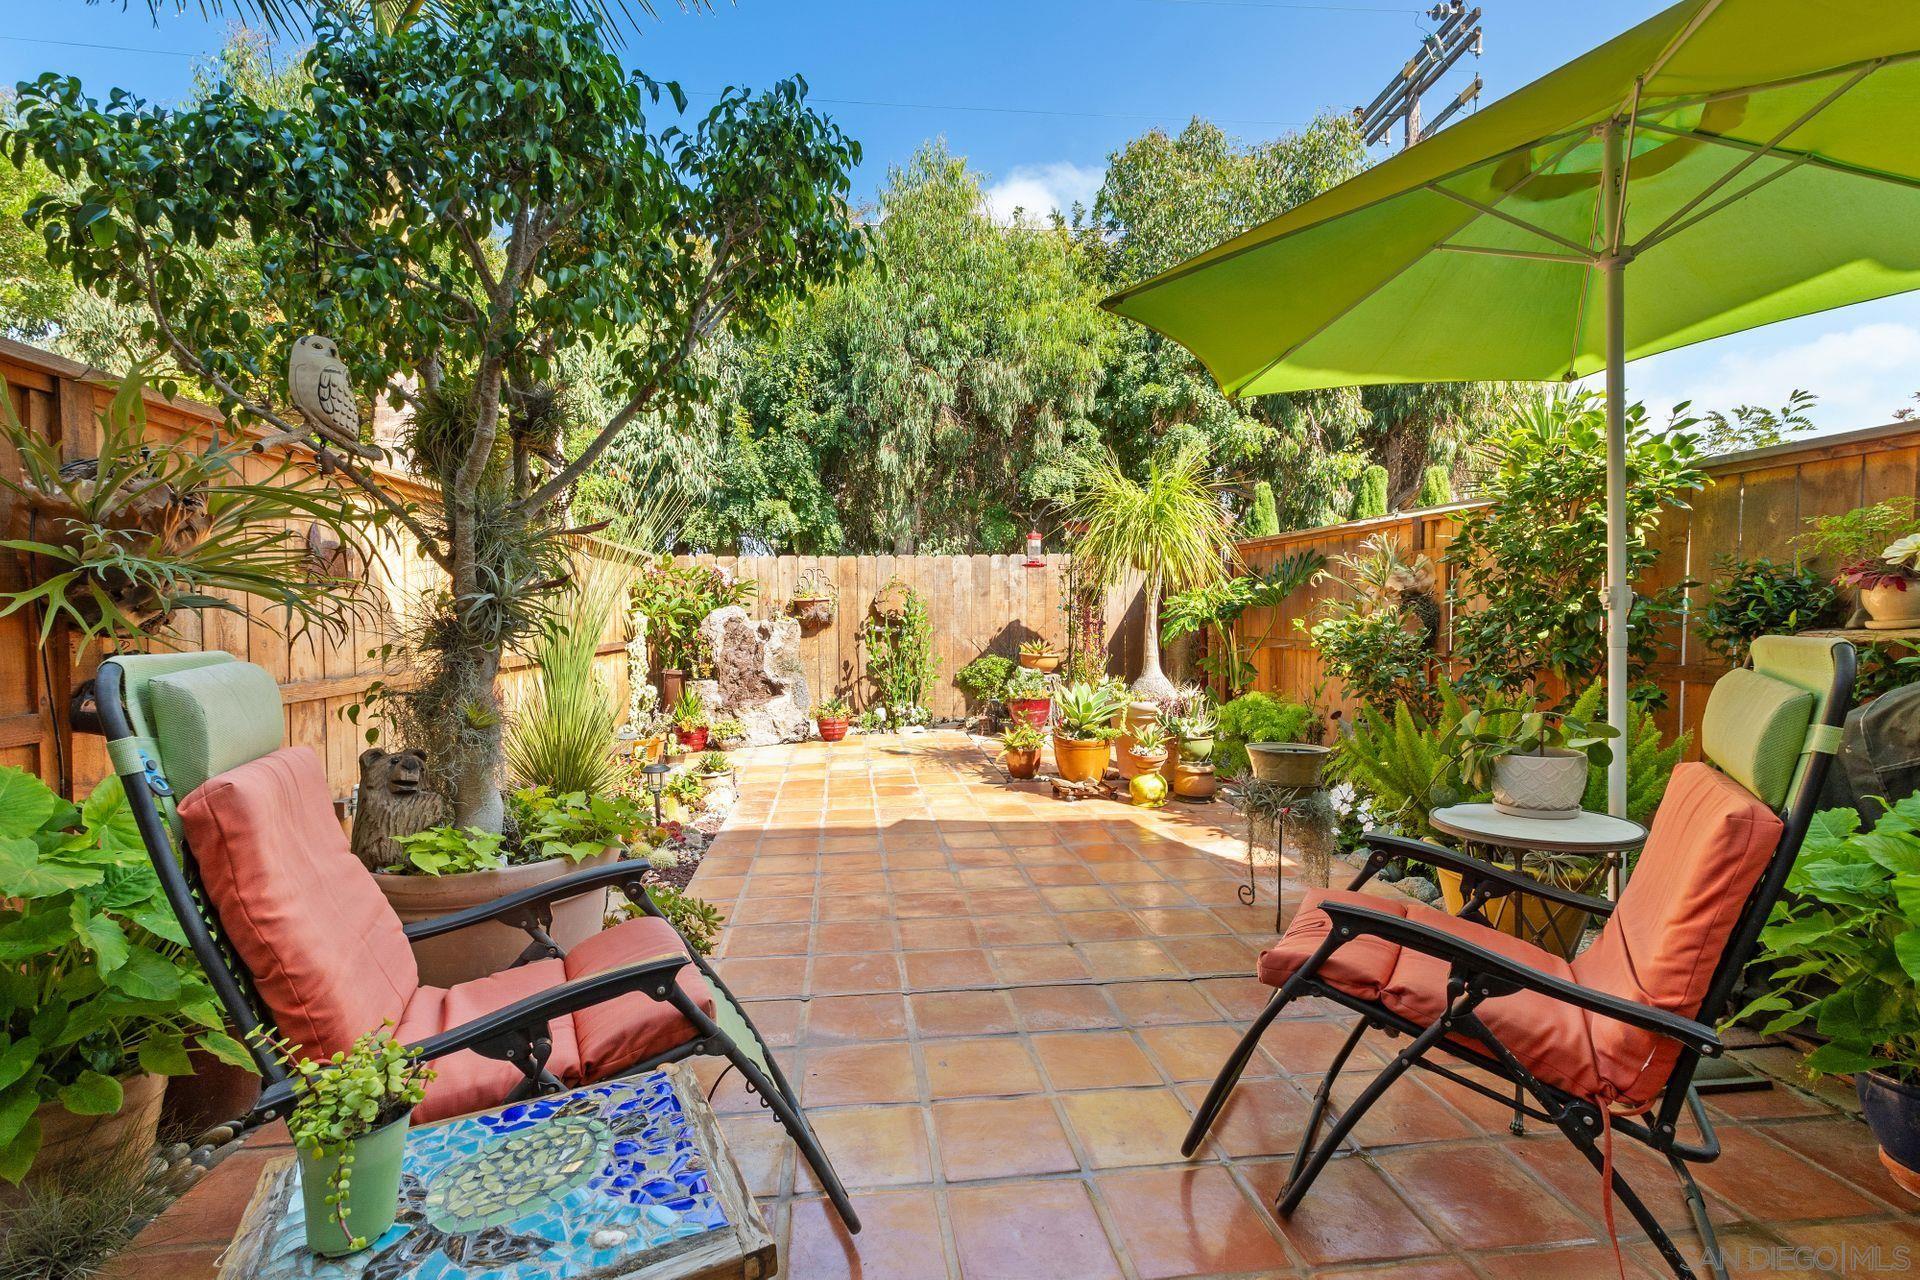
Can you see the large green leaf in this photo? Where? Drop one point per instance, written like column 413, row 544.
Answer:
column 146, row 975
column 102, row 935
column 18, row 1151
column 25, row 874
column 25, row 803
column 92, row 1094
column 227, row 1049
column 16, row 1060
column 165, row 1053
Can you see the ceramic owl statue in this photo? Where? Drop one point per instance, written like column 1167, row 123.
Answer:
column 321, row 389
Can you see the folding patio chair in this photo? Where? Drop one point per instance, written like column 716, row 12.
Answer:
column 1607, row 1042
column 297, row 939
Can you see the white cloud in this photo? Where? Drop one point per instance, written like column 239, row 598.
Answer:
column 1861, row 371
column 1039, row 189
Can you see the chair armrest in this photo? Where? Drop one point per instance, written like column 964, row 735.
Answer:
column 655, row 978
column 1474, row 872
column 1477, row 961
column 567, row 886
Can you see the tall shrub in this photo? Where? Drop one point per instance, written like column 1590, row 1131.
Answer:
column 1370, row 493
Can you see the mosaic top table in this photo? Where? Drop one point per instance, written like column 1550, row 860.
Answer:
column 625, row 1178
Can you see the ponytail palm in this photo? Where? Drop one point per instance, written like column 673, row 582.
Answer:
column 1169, row 526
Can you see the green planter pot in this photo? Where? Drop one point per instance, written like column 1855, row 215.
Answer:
column 373, row 1199
column 1196, row 750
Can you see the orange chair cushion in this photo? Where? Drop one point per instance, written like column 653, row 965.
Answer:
column 1548, row 1037
column 1709, row 847
column 327, row 954
column 590, row 1044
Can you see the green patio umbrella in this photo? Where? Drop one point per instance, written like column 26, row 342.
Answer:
column 1723, row 165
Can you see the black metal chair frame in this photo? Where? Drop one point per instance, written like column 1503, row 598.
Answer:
column 518, row 1033
column 1477, row 975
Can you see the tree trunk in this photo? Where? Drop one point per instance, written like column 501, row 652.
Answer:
column 476, row 779
column 1153, row 682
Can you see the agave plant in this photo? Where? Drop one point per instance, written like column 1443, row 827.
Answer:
column 1149, row 739
column 1085, row 712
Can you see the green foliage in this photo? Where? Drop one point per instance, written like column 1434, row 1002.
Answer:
column 1377, row 638
column 1370, row 493
column 153, row 528
column 68, row 1221
column 675, row 599
column 899, row 653
column 1840, row 955
column 712, row 762
column 1085, row 712
column 1650, row 758
column 1024, row 682
column 686, row 788
column 1263, row 518
column 698, row 920
column 1405, row 762
column 1023, row 737
column 834, row 708
column 1483, row 737
column 562, row 733
column 1860, row 534
column 1764, row 597
column 348, row 1096
column 450, row 851
column 97, row 979
column 1436, row 487
column 1750, row 426
column 1260, row 717
column 1528, row 566
column 688, row 712
column 1221, row 603
column 728, row 729
column 985, row 678
column 572, row 824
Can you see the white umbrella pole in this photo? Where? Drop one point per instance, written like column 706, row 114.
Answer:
column 1619, row 588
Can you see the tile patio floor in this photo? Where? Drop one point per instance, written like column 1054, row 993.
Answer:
column 1001, row 1009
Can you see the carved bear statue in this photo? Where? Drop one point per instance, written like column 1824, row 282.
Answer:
column 392, row 803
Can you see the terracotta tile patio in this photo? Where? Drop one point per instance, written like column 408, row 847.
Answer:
column 1004, row 1009
column 1001, row 1010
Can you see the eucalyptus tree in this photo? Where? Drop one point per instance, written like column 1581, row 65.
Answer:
column 457, row 203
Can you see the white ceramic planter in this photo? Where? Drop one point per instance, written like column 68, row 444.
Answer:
column 1890, row 608
column 1540, row 786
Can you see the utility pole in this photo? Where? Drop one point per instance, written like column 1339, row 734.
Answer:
column 1458, row 34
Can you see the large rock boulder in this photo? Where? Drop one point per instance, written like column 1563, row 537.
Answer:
column 757, row 676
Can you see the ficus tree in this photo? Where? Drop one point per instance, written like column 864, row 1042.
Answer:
column 459, row 203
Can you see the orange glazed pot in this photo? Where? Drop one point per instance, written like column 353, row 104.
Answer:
column 1081, row 761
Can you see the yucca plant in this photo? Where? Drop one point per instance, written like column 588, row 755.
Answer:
column 562, row 733
column 1170, row 526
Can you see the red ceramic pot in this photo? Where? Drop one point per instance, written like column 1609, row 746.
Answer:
column 692, row 739
column 832, row 730
column 1033, row 711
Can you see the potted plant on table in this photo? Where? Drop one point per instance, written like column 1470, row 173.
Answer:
column 831, row 717
column 99, row 1004
column 1029, row 698
column 1020, row 750
column 690, row 723
column 1084, row 730
column 1038, row 655
column 1837, row 958
column 1534, row 762
column 349, row 1126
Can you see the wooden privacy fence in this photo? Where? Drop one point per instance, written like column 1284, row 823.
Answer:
column 975, row 605
column 1754, row 504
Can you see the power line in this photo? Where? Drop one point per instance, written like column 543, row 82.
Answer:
column 1018, row 111
column 109, row 48
column 1276, row 4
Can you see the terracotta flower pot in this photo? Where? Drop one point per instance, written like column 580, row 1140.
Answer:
column 692, row 739
column 1022, row 764
column 1891, row 608
column 1081, row 760
column 488, row 948
column 1136, row 715
column 1546, row 785
column 1033, row 711
column 832, row 729
column 1194, row 781
column 1044, row 663
column 70, row 1144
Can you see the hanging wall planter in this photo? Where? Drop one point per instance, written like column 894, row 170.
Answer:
column 814, row 602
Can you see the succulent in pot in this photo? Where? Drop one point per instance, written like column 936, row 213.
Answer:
column 349, row 1126
column 1029, row 697
column 1837, row 958
column 1038, row 655
column 1149, row 745
column 727, row 732
column 690, row 722
column 1084, row 729
column 1195, row 732
column 1020, row 750
column 712, row 765
column 832, row 717
column 1534, row 762
column 1887, row 585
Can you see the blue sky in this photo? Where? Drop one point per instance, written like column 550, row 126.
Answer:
column 1036, row 93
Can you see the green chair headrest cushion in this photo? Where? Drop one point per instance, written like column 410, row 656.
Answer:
column 1754, row 729
column 212, row 719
